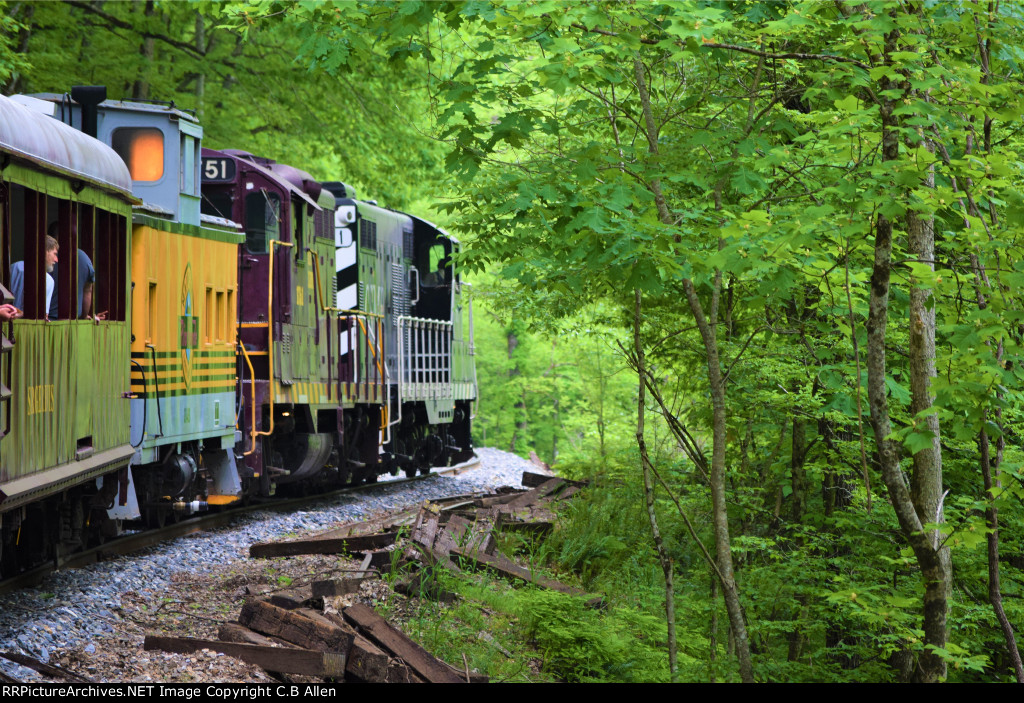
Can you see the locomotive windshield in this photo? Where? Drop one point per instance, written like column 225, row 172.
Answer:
column 438, row 265
column 262, row 220
column 142, row 149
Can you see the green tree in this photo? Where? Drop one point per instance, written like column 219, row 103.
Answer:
column 361, row 125
column 793, row 181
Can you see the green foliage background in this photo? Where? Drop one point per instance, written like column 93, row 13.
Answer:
column 361, row 125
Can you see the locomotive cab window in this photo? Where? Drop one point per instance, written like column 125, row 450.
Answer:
column 188, row 159
column 262, row 220
column 438, row 266
column 142, row 148
column 217, row 203
column 299, row 228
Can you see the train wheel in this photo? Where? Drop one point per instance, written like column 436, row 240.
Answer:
column 96, row 530
column 8, row 549
column 248, row 489
column 158, row 518
column 410, row 472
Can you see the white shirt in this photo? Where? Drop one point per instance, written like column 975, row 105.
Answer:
column 49, row 290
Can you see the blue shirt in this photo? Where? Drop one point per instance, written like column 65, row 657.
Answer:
column 18, row 284
column 86, row 274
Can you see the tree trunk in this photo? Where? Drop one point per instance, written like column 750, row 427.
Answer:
column 521, row 425
column 931, row 666
column 645, row 462
column 798, row 475
column 713, row 629
column 990, row 475
column 720, row 516
column 140, row 88
column 716, row 386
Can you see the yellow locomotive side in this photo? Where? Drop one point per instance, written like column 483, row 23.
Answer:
column 184, row 306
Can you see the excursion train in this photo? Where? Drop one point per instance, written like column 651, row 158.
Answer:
column 218, row 327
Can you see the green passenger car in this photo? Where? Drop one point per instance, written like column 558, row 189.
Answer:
column 64, row 411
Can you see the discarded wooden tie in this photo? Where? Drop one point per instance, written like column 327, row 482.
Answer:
column 383, row 634
column 280, row 659
column 294, row 632
column 337, row 545
column 295, row 627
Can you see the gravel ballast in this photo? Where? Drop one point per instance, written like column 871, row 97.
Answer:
column 82, row 613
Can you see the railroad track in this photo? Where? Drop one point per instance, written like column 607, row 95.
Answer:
column 130, row 543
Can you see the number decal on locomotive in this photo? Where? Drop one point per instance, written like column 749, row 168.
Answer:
column 218, row 170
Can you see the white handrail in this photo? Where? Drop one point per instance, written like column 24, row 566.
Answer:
column 425, row 365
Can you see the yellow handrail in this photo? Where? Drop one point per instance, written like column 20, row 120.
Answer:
column 270, row 331
column 377, row 357
column 362, row 312
column 319, row 287
column 252, row 379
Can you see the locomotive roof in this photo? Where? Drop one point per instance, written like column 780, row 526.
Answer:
column 440, row 231
column 325, row 199
column 47, row 142
column 128, row 105
column 416, row 219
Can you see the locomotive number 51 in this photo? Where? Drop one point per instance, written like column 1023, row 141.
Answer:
column 218, row 169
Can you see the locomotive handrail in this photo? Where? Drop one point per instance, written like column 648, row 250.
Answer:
column 346, row 311
column 380, row 363
column 252, row 385
column 375, row 346
column 398, row 389
column 471, row 348
column 316, row 277
column 428, row 345
column 270, row 337
column 156, row 385
column 372, row 348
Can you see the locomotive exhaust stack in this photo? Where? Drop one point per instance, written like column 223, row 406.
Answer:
column 89, row 97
